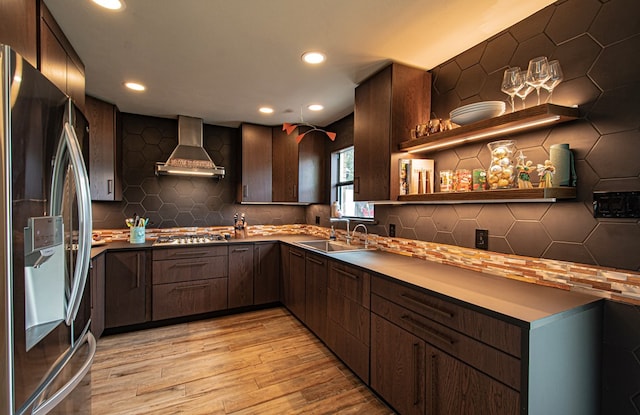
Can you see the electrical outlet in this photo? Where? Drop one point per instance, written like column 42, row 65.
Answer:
column 392, row 230
column 482, row 239
column 317, row 220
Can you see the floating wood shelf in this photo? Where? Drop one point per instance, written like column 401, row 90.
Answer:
column 550, row 194
column 525, row 120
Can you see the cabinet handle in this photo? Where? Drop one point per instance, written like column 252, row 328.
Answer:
column 190, row 253
column 190, row 287
column 436, row 310
column 356, row 185
column 296, row 253
column 138, row 271
column 428, row 329
column 433, row 398
column 258, row 259
column 345, row 273
column 416, row 376
column 240, row 250
column 189, row 264
column 109, row 186
column 315, row 261
column 245, row 190
column 295, row 191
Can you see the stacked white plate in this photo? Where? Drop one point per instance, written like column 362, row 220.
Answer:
column 478, row 111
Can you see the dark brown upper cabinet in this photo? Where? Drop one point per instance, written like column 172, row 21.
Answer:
column 387, row 106
column 18, row 20
column 275, row 168
column 58, row 61
column 105, row 151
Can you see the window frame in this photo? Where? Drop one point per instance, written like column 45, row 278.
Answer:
column 337, row 185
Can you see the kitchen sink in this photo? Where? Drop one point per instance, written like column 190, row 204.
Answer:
column 330, row 246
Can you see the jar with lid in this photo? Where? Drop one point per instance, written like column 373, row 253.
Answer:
column 501, row 174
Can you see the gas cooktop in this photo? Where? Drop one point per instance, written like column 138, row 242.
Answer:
column 189, row 239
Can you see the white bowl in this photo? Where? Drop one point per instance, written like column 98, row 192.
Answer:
column 477, row 112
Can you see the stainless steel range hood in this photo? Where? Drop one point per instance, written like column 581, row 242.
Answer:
column 190, row 158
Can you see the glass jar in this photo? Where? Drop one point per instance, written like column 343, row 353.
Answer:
column 501, row 174
column 446, row 180
column 463, row 179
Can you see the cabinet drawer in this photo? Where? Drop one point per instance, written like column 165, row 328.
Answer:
column 497, row 333
column 189, row 269
column 192, row 252
column 351, row 282
column 487, row 359
column 189, row 298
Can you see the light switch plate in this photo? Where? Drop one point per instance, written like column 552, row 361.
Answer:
column 616, row 204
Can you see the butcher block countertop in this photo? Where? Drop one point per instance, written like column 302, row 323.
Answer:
column 521, row 303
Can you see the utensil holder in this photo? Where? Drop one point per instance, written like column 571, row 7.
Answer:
column 137, row 235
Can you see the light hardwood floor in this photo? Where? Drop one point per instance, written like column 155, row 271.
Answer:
column 262, row 362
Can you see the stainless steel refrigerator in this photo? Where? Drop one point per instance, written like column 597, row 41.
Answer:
column 46, row 347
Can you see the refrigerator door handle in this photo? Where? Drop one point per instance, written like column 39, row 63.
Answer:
column 47, row 405
column 84, row 217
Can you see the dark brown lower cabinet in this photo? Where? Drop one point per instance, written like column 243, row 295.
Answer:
column 266, row 274
column 398, row 366
column 96, row 275
column 240, row 275
column 348, row 316
column 456, row 388
column 127, row 289
column 293, row 281
column 316, row 294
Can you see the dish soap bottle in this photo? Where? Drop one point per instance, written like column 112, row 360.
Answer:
column 332, row 234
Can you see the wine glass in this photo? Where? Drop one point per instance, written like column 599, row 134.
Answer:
column 526, row 89
column 555, row 77
column 511, row 83
column 538, row 73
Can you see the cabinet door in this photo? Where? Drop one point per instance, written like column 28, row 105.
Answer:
column 256, row 164
column 126, row 284
column 311, row 166
column 285, row 166
column 240, row 276
column 293, row 282
column 398, row 367
column 266, row 274
column 53, row 58
column 316, row 294
column 372, row 129
column 104, row 171
column 18, row 28
column 456, row 388
column 96, row 274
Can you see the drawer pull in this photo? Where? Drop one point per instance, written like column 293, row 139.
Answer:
column 429, row 330
column 190, row 287
column 345, row 273
column 415, row 300
column 190, row 264
column 296, row 253
column 417, row 374
column 190, row 253
column 240, row 250
column 315, row 261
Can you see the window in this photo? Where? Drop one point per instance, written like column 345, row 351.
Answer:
column 342, row 177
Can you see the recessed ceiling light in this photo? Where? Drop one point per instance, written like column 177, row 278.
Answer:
column 135, row 86
column 110, row 4
column 266, row 110
column 315, row 107
column 313, row 58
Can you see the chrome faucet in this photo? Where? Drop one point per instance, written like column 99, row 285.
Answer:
column 348, row 237
column 366, row 233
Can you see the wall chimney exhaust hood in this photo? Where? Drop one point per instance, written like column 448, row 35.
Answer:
column 190, row 158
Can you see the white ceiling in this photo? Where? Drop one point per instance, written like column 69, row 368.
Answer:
column 221, row 60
